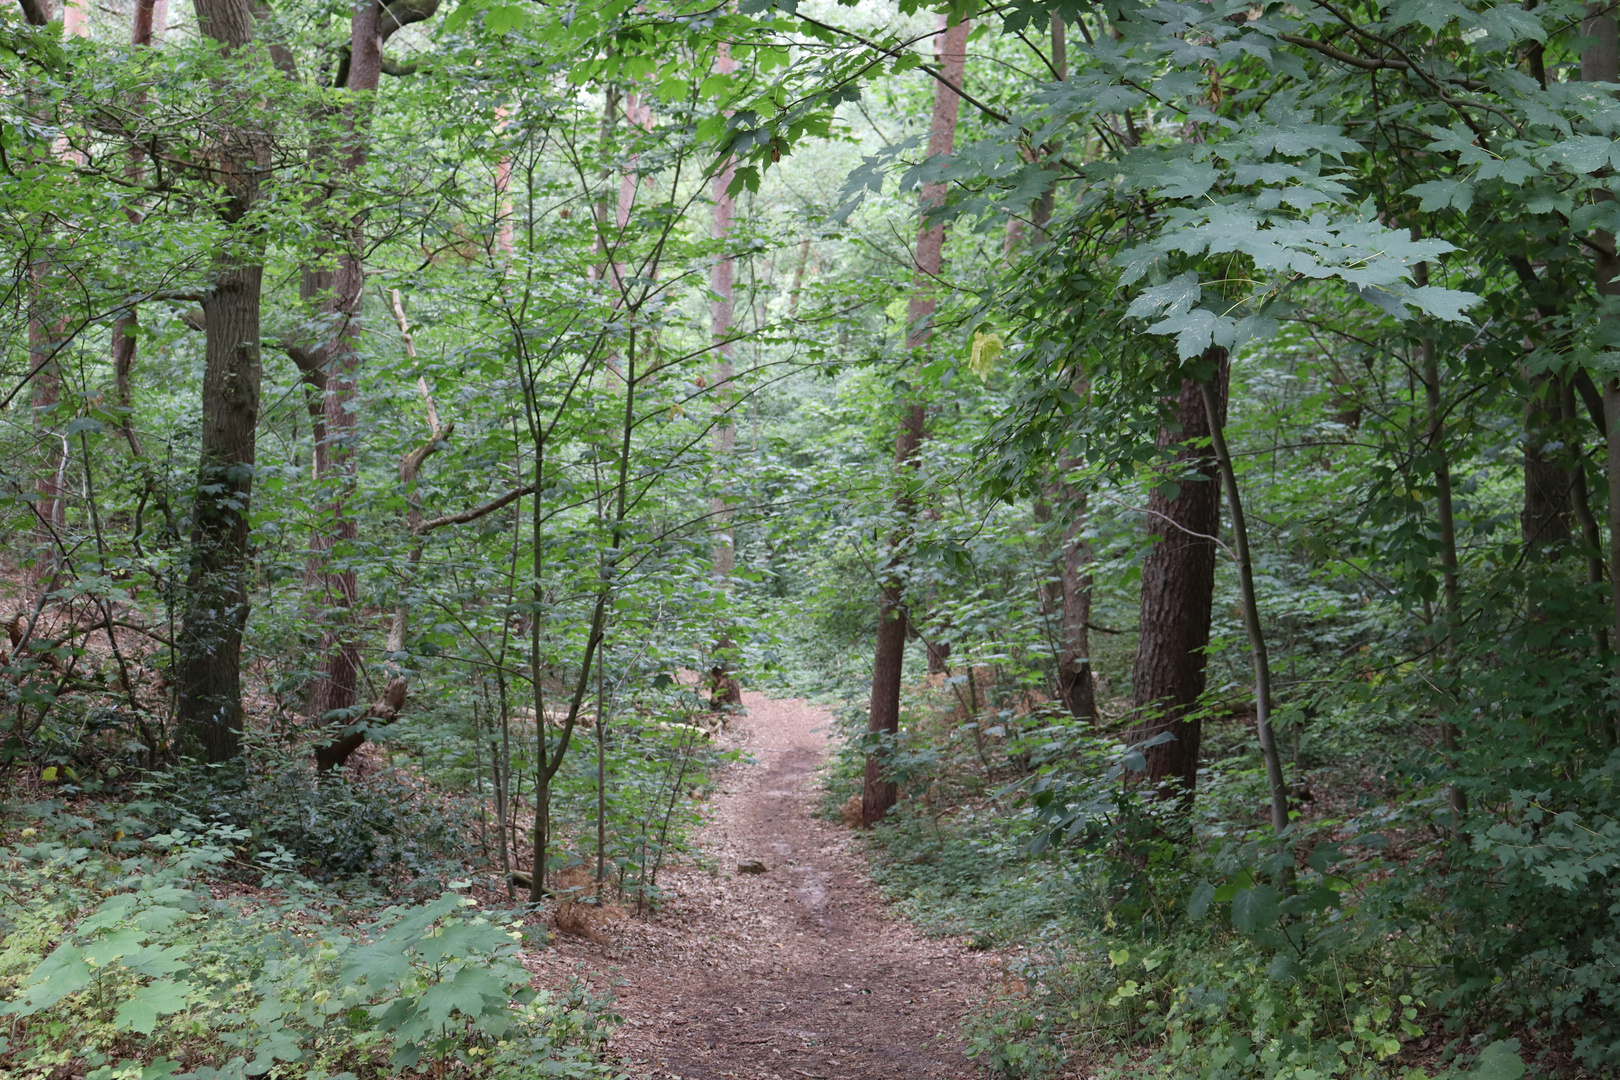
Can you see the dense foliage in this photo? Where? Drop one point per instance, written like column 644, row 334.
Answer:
column 417, row 419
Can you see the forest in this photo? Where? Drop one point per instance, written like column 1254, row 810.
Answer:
column 1077, row 538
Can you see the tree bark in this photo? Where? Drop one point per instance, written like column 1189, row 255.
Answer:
column 878, row 794
column 47, row 331
column 209, row 709
column 391, row 701
column 1544, row 520
column 1445, row 516
column 724, row 689
column 209, row 712
column 338, row 294
column 151, row 20
column 1178, row 591
column 1601, row 63
column 1075, row 685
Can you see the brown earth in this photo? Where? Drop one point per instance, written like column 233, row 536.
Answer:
column 797, row 972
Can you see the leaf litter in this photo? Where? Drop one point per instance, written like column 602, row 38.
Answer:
column 800, row 971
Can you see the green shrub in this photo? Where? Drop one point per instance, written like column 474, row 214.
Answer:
column 330, row 827
column 122, row 969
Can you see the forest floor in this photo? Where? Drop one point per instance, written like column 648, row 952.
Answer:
column 800, row 971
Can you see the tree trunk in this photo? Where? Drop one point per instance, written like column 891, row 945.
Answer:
column 1214, row 413
column 209, row 713
column 878, row 794
column 209, row 708
column 1178, row 590
column 338, row 689
column 724, row 689
column 391, row 702
column 47, row 331
column 1445, row 519
column 1601, row 63
column 1544, row 521
column 1075, row 686
column 339, row 295
column 151, row 20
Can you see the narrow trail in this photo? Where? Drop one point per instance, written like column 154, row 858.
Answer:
column 797, row 972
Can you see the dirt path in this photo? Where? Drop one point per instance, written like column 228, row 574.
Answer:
column 796, row 972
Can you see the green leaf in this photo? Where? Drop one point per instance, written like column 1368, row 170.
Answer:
column 155, row 961
column 141, row 1012
column 378, row 964
column 119, row 943
column 1256, row 909
column 1580, row 153
column 1498, row 1061
column 1189, row 180
column 1447, row 304
column 1440, row 194
column 502, row 18
column 1177, row 294
column 61, row 973
column 1282, row 969
column 1203, row 895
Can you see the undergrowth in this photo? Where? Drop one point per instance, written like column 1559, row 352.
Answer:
column 1143, row 941
column 117, row 964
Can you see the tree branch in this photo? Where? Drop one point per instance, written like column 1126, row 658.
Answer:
column 476, row 512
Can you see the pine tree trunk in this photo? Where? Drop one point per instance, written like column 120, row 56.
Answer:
column 1178, row 589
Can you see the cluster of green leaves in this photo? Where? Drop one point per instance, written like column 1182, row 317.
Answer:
column 127, row 968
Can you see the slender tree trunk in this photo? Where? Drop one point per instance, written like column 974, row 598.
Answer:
column 601, row 777
column 47, row 331
column 1591, row 535
column 1214, row 410
column 1075, row 684
column 1601, row 63
column 878, row 793
column 724, row 689
column 1178, row 590
column 337, row 691
column 798, row 276
column 391, row 702
column 151, row 19
column 1445, row 518
column 606, row 587
column 338, row 294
